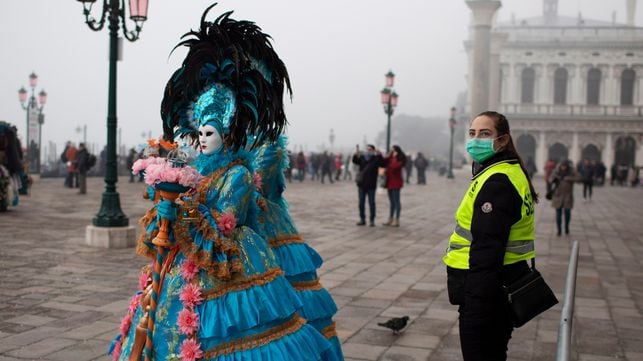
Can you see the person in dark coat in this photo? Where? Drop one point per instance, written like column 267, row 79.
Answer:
column 366, row 179
column 421, row 164
column 408, row 166
column 587, row 172
column 82, row 166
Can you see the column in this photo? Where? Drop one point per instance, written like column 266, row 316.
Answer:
column 495, row 81
column 608, row 152
column 573, row 154
column 541, row 151
column 483, row 12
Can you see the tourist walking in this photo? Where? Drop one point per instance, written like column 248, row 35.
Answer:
column 587, row 172
column 301, row 166
column 562, row 181
column 421, row 164
column 348, row 174
column 327, row 164
column 82, row 166
column 132, row 157
column 492, row 241
column 72, row 172
column 408, row 166
column 366, row 179
column 395, row 162
column 549, row 167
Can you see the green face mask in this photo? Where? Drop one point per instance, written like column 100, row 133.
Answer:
column 480, row 149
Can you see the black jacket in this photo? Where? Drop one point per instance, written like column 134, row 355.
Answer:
column 82, row 158
column 480, row 287
column 367, row 176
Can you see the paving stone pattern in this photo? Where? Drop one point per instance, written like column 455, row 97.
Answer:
column 62, row 300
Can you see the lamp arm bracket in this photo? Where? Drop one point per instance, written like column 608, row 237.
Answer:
column 129, row 35
column 91, row 22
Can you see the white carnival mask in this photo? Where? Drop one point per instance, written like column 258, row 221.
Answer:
column 209, row 139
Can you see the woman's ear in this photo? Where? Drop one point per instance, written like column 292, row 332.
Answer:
column 502, row 142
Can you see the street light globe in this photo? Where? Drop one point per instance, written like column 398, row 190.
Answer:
column 390, row 78
column 33, row 80
column 138, row 10
column 394, row 99
column 385, row 95
column 42, row 97
column 22, row 95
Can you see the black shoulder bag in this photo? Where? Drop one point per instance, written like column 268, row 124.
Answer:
column 529, row 296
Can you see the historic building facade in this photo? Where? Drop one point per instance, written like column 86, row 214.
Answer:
column 571, row 87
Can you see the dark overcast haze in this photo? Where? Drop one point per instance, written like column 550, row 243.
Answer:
column 337, row 53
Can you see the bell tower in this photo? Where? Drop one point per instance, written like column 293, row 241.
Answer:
column 550, row 10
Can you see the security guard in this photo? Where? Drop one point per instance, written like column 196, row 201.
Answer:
column 492, row 241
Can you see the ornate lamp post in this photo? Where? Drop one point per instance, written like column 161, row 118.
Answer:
column 33, row 109
column 113, row 12
column 331, row 138
column 452, row 124
column 389, row 100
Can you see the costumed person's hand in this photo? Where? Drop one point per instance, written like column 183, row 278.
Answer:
column 151, row 193
column 166, row 209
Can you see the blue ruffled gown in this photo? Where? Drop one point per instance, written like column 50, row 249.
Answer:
column 298, row 260
column 245, row 308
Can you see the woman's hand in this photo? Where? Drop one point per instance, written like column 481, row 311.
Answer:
column 166, row 209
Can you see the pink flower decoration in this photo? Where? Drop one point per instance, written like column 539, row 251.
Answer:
column 143, row 281
column 226, row 223
column 139, row 166
column 126, row 322
column 116, row 353
column 188, row 321
column 257, row 180
column 190, row 350
column 191, row 295
column 189, row 269
column 133, row 304
column 161, row 171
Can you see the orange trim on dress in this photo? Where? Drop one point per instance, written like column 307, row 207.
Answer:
column 313, row 285
column 242, row 283
column 330, row 331
column 284, row 240
column 258, row 340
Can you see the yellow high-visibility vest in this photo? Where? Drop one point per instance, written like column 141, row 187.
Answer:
column 521, row 236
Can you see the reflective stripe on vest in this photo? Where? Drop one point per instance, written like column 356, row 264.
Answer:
column 520, row 245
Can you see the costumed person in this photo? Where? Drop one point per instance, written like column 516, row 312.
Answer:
column 296, row 258
column 10, row 166
column 492, row 241
column 221, row 294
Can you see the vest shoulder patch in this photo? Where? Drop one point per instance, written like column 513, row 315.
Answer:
column 487, row 207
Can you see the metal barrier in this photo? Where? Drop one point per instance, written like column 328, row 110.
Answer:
column 567, row 313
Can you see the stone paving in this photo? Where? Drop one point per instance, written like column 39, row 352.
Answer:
column 62, row 300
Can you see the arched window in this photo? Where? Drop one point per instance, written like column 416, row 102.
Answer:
column 560, row 86
column 627, row 86
column 593, row 86
column 528, row 81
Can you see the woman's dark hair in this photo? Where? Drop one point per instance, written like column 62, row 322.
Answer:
column 502, row 127
column 401, row 157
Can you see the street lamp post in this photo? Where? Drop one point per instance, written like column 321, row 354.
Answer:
column 331, row 138
column 452, row 124
column 33, row 108
column 389, row 100
column 110, row 213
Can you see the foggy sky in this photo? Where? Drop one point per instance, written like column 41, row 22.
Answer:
column 337, row 53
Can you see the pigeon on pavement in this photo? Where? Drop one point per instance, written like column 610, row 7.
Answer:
column 396, row 324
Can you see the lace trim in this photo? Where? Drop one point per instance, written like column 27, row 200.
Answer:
column 261, row 339
column 243, row 283
column 284, row 240
column 313, row 285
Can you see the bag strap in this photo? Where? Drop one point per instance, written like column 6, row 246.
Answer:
column 533, row 263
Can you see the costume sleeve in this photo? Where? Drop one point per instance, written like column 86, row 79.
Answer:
column 496, row 208
column 233, row 195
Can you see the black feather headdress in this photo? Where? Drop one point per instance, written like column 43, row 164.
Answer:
column 239, row 56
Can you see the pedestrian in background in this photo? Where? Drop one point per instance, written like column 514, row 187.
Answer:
column 72, row 173
column 82, row 166
column 327, row 163
column 563, row 179
column 348, row 174
column 366, row 179
column 131, row 158
column 421, row 164
column 588, row 173
column 492, row 241
column 408, row 166
column 395, row 162
column 549, row 167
